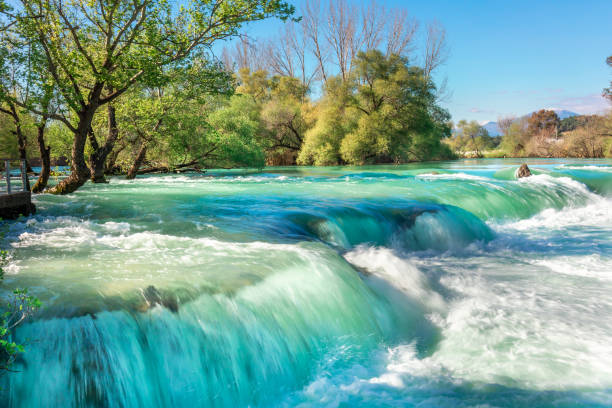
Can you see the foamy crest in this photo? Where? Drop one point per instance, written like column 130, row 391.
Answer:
column 601, row 168
column 452, row 176
column 596, row 214
column 516, row 333
column 400, row 273
column 595, row 266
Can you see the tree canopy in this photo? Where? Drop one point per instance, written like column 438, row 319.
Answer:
column 126, row 87
column 97, row 50
column 385, row 113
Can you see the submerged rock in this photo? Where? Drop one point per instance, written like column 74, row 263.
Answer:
column 523, row 171
column 154, row 297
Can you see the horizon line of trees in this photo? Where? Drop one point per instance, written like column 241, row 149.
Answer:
column 541, row 134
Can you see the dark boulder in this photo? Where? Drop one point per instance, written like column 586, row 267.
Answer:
column 523, row 171
column 154, row 297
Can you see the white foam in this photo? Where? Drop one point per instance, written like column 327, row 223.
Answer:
column 398, row 272
column 606, row 169
column 540, row 334
column 545, row 180
column 596, row 214
column 595, row 266
column 201, row 179
column 452, row 176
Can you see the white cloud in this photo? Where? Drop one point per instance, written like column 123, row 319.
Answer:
column 588, row 104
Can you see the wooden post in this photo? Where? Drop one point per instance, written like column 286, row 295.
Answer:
column 7, row 167
column 24, row 176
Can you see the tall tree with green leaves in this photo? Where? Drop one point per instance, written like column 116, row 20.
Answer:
column 471, row 139
column 12, row 76
column 394, row 113
column 285, row 112
column 336, row 116
column 97, row 50
column 152, row 116
column 27, row 94
column 543, row 121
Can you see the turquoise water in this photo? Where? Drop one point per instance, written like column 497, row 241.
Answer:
column 431, row 285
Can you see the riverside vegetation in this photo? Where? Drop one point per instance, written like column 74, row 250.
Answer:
column 143, row 93
column 338, row 85
column 541, row 134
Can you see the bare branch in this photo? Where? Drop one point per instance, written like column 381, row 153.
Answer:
column 400, row 33
column 436, row 49
column 312, row 23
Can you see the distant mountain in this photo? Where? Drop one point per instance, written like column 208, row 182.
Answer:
column 564, row 114
column 493, row 127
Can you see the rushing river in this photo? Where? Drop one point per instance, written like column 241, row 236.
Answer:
column 431, row 285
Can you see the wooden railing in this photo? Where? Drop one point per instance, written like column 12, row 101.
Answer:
column 7, row 176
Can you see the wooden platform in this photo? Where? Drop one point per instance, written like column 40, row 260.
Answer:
column 14, row 203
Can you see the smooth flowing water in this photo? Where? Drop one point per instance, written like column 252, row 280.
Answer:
column 431, row 285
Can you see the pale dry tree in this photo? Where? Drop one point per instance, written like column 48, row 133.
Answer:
column 401, row 32
column 243, row 54
column 313, row 27
column 286, row 56
column 436, row 50
column 341, row 34
column 504, row 123
column 373, row 21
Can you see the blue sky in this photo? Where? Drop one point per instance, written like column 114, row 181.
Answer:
column 514, row 57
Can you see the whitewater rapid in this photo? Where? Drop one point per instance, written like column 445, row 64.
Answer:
column 439, row 285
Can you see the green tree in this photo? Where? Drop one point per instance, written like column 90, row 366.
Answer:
column 11, row 78
column 286, row 118
column 335, row 118
column 392, row 116
column 190, row 122
column 97, row 50
column 233, row 136
column 26, row 87
column 471, row 139
column 284, row 112
column 543, row 121
column 515, row 138
column 153, row 116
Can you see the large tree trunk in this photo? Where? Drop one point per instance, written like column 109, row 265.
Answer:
column 21, row 139
column 110, row 166
column 78, row 167
column 45, row 157
column 142, row 153
column 140, row 156
column 98, row 158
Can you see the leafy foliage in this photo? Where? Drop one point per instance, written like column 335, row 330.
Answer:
column 578, row 136
column 471, row 139
column 543, row 121
column 97, row 51
column 13, row 311
column 385, row 113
